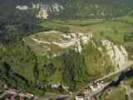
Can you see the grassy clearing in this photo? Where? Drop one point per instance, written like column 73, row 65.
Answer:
column 111, row 30
column 42, row 45
column 80, row 22
column 47, row 36
column 126, row 19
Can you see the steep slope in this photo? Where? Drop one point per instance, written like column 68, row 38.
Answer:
column 86, row 8
column 43, row 59
column 73, row 54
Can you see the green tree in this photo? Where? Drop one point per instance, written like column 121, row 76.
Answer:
column 75, row 70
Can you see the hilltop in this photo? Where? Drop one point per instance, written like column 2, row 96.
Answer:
column 63, row 42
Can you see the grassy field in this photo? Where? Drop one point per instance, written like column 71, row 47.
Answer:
column 113, row 29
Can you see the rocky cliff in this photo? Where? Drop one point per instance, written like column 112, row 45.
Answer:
column 117, row 54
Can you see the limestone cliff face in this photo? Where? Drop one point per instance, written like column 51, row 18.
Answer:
column 44, row 9
column 117, row 54
column 47, row 9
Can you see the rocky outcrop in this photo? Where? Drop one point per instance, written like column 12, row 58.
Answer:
column 46, row 9
column 74, row 40
column 117, row 53
column 24, row 7
column 78, row 41
column 80, row 8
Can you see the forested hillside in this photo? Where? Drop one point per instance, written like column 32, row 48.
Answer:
column 31, row 53
column 78, row 8
column 92, row 8
column 15, row 24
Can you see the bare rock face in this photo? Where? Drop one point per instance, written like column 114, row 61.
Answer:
column 117, row 54
column 46, row 9
column 24, row 7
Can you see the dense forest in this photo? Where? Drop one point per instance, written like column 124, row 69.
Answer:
column 14, row 26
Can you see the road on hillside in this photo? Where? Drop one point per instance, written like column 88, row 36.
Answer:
column 130, row 63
